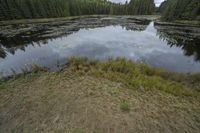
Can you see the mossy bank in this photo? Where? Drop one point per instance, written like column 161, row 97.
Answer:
column 116, row 95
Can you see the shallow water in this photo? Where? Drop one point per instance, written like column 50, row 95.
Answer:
column 174, row 48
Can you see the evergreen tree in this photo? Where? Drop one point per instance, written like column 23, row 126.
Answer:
column 23, row 9
column 141, row 7
column 180, row 9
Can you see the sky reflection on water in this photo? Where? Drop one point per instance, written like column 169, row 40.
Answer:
column 101, row 43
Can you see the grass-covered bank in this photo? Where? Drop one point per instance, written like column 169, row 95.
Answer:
column 115, row 95
column 133, row 74
column 33, row 21
column 60, row 19
column 179, row 22
column 189, row 22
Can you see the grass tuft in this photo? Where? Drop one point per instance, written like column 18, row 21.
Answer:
column 124, row 106
column 37, row 68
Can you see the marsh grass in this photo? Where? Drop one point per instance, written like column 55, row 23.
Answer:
column 31, row 71
column 189, row 22
column 138, row 75
column 2, row 85
column 134, row 75
column 37, row 68
column 33, row 21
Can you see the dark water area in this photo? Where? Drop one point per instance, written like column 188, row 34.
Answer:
column 173, row 47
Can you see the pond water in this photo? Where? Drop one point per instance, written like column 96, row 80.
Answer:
column 175, row 48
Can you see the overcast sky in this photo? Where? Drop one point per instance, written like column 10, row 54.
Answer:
column 157, row 2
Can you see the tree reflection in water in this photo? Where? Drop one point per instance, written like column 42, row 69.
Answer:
column 187, row 38
column 40, row 35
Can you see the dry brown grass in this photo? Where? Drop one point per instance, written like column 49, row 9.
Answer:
column 72, row 101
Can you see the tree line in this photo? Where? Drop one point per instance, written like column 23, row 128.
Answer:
column 140, row 7
column 28, row 9
column 180, row 9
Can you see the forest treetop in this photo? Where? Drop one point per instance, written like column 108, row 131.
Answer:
column 180, row 9
column 23, row 9
column 29, row 9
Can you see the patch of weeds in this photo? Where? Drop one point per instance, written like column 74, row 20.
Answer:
column 37, row 68
column 78, row 63
column 2, row 85
column 137, row 75
column 81, row 64
column 25, row 70
column 78, row 131
column 124, row 106
column 195, row 79
column 4, row 82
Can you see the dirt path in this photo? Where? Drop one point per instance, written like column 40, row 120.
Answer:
column 84, row 104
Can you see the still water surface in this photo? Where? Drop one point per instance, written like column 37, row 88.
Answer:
column 175, row 49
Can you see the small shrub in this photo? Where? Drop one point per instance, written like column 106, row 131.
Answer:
column 124, row 106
